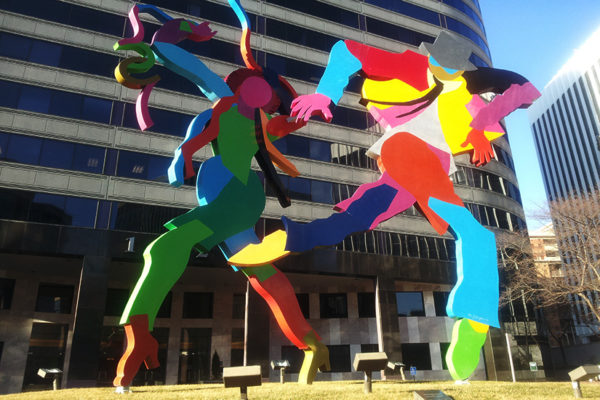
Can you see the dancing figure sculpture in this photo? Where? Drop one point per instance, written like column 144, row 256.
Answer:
column 430, row 109
column 230, row 195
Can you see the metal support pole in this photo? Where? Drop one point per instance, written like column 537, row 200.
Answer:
column 368, row 388
column 55, row 383
column 246, row 325
column 244, row 393
column 282, row 375
column 577, row 389
column 512, row 366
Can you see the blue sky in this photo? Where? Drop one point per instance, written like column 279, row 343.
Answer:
column 535, row 38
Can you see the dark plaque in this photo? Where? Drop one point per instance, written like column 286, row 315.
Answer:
column 430, row 395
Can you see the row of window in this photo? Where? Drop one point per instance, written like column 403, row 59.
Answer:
column 100, row 21
column 485, row 180
column 355, row 20
column 58, row 299
column 86, row 158
column 400, row 244
column 465, row 9
column 90, row 108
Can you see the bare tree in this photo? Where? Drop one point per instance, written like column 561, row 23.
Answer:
column 576, row 280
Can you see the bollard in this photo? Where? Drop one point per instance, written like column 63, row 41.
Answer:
column 577, row 389
column 582, row 373
column 53, row 373
column 242, row 377
column 369, row 362
column 281, row 365
column 368, row 386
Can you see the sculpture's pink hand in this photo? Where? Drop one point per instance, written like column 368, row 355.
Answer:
column 305, row 106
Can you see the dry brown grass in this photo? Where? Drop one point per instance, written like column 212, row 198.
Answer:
column 329, row 391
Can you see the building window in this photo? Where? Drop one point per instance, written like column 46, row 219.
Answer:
column 239, row 306
column 295, row 356
column 366, row 305
column 197, row 305
column 440, row 299
column 304, row 304
column 165, row 308
column 443, row 350
column 116, row 299
column 7, row 288
column 369, row 348
column 334, row 305
column 416, row 355
column 339, row 355
column 46, row 350
column 237, row 347
column 410, row 304
column 194, row 355
column 54, row 299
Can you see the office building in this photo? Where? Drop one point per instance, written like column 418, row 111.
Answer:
column 83, row 191
column 566, row 131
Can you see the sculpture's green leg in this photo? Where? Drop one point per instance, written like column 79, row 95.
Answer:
column 165, row 260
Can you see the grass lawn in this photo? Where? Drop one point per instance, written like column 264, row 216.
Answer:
column 329, row 390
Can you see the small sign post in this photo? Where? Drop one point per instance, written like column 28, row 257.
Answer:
column 413, row 372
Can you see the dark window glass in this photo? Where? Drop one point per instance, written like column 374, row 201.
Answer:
column 116, row 299
column 295, row 356
column 97, row 110
column 237, row 347
column 165, row 308
column 141, row 217
column 443, row 350
column 339, row 356
column 459, row 5
column 88, row 158
column 459, row 27
column 10, row 94
column 4, row 137
column 478, row 61
column 57, row 154
column 34, row 99
column 410, row 304
column 408, row 9
column 54, row 298
column 366, row 305
column 304, row 304
column 334, row 305
column 197, row 305
column 299, row 35
column 320, row 150
column 81, row 212
column 416, row 355
column 398, row 33
column 48, row 208
column 321, row 192
column 45, row 53
column 194, row 355
column 143, row 166
column 24, row 149
column 66, row 104
column 14, row 46
column 7, row 288
column 440, row 299
column 321, row 10
column 239, row 306
column 299, row 189
column 369, row 348
column 46, row 350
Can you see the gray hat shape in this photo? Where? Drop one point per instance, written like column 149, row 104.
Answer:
column 449, row 52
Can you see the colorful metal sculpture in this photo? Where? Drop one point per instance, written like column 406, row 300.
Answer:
column 430, row 109
column 230, row 195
